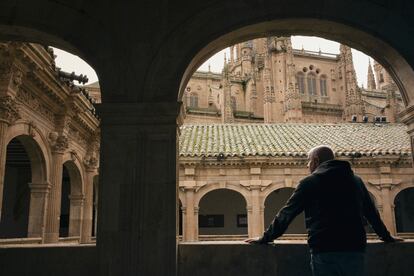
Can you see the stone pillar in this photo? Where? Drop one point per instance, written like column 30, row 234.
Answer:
column 138, row 189
column 39, row 193
column 88, row 205
column 255, row 213
column 191, row 221
column 75, row 215
column 387, row 208
column 59, row 144
column 8, row 114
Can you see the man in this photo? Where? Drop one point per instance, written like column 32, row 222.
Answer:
column 335, row 201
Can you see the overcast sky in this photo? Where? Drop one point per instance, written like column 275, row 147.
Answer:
column 69, row 62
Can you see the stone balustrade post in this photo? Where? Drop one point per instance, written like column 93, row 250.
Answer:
column 138, row 190
column 59, row 143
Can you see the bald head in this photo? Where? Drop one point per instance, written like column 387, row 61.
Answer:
column 319, row 154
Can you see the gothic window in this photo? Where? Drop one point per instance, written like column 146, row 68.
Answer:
column 233, row 103
column 193, row 100
column 300, row 80
column 322, row 83
column 311, row 84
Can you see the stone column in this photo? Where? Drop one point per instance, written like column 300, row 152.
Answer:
column 191, row 222
column 76, row 214
column 59, row 144
column 88, row 204
column 138, row 189
column 8, row 114
column 387, row 208
column 39, row 193
column 255, row 212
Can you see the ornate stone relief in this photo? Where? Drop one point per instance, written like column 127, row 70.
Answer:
column 9, row 110
column 30, row 100
column 59, row 143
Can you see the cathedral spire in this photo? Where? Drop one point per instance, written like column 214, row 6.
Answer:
column 353, row 96
column 227, row 107
column 370, row 77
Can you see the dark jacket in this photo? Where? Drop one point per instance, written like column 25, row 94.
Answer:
column 335, row 202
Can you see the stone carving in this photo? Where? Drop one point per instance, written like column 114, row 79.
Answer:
column 9, row 111
column 30, row 100
column 59, row 143
column 91, row 161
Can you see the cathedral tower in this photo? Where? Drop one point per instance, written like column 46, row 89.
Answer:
column 353, row 98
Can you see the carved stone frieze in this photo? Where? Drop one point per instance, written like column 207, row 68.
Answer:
column 33, row 102
column 9, row 110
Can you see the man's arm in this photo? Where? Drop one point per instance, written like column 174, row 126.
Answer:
column 294, row 206
column 371, row 213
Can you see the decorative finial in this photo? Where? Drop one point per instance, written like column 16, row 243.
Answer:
column 209, row 67
column 225, row 58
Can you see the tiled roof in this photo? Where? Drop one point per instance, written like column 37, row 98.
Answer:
column 293, row 139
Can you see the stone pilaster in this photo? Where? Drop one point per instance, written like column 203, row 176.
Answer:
column 39, row 193
column 9, row 113
column 190, row 217
column 90, row 164
column 76, row 215
column 255, row 210
column 138, row 189
column 59, row 144
column 385, row 184
column 255, row 213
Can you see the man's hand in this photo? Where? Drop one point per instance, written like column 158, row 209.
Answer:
column 392, row 239
column 253, row 241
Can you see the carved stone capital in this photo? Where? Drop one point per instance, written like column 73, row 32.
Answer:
column 9, row 111
column 59, row 143
column 91, row 161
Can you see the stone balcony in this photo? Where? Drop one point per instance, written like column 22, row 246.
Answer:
column 284, row 258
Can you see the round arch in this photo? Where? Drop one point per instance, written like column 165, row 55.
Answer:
column 216, row 186
column 404, row 210
column 24, row 178
column 72, row 199
column 36, row 146
column 274, row 201
column 222, row 212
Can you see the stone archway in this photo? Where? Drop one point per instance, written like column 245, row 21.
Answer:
column 72, row 199
column 222, row 212
column 25, row 189
column 404, row 211
column 274, row 202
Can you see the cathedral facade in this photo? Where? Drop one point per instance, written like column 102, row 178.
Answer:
column 266, row 81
